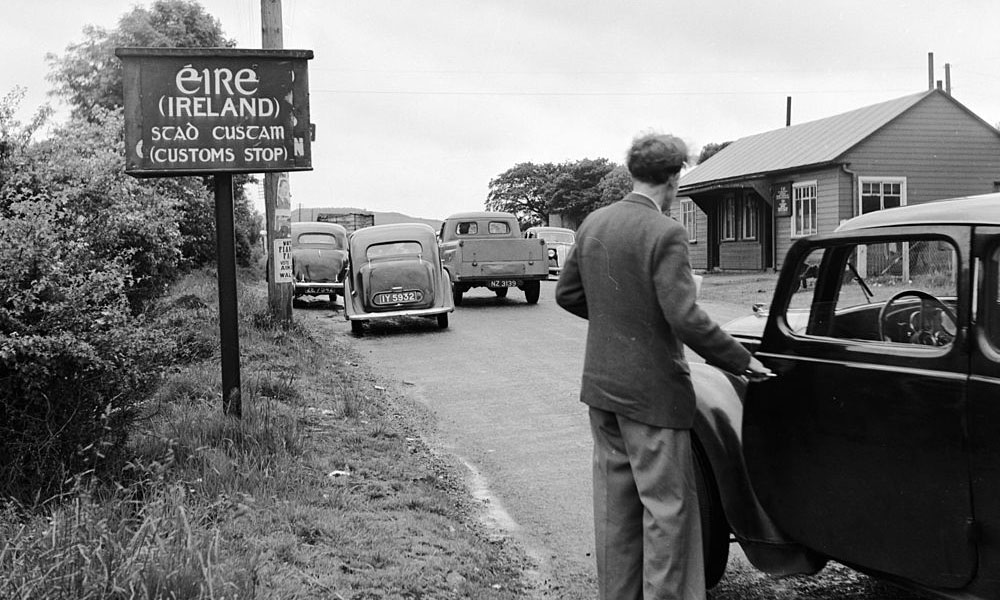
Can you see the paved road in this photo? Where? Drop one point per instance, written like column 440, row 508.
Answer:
column 503, row 381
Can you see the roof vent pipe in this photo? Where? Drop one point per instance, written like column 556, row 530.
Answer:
column 788, row 111
column 947, row 78
column 930, row 70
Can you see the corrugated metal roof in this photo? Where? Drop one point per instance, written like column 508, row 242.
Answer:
column 816, row 142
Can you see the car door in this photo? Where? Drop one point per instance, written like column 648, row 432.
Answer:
column 857, row 449
column 984, row 398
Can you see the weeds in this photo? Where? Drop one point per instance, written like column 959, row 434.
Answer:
column 317, row 492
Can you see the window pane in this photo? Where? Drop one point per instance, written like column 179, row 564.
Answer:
column 499, row 227
column 897, row 291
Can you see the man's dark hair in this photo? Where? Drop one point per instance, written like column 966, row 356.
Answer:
column 654, row 158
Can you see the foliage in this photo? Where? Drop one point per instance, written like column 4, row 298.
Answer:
column 709, row 150
column 320, row 490
column 615, row 185
column 533, row 192
column 577, row 191
column 74, row 363
column 525, row 190
column 89, row 76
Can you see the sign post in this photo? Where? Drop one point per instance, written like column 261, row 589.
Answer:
column 218, row 112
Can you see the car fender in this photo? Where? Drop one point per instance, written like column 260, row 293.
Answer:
column 717, row 426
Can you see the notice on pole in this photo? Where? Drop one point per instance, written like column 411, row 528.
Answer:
column 283, row 261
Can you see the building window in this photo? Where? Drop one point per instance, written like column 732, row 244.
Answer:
column 688, row 219
column 748, row 218
column 880, row 193
column 804, row 209
column 728, row 218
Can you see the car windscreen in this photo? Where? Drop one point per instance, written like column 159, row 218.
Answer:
column 385, row 250
column 557, row 237
column 319, row 239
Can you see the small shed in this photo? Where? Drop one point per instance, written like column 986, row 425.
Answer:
column 745, row 205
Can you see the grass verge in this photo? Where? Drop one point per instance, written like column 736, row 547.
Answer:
column 324, row 489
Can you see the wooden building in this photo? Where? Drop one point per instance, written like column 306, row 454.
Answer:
column 745, row 205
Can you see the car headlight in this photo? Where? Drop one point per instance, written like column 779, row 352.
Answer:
column 552, row 253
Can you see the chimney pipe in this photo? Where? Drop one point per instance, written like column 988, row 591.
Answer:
column 939, row 85
column 788, row 111
column 947, row 78
column 930, row 70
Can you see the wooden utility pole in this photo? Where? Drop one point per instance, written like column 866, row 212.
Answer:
column 277, row 197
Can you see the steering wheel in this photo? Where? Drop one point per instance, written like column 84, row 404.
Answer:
column 925, row 325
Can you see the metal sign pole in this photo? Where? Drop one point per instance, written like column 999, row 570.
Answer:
column 229, row 329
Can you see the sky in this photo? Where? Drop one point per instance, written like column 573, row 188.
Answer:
column 418, row 104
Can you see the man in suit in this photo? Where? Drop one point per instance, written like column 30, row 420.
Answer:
column 630, row 276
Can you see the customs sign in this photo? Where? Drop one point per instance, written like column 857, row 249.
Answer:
column 202, row 111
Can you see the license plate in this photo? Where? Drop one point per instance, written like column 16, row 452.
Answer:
column 500, row 283
column 407, row 297
column 314, row 290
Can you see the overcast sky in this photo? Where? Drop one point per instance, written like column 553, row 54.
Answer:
column 419, row 103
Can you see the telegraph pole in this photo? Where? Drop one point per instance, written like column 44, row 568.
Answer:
column 277, row 197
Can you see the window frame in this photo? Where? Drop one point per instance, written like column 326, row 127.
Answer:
column 727, row 224
column 870, row 179
column 796, row 229
column 748, row 218
column 689, row 218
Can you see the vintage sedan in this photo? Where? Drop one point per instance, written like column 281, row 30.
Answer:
column 394, row 271
column 559, row 242
column 875, row 445
column 319, row 259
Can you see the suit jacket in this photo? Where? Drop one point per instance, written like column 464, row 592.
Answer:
column 630, row 276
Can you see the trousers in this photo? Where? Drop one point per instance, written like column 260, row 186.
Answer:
column 646, row 521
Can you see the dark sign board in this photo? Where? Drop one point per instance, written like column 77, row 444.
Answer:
column 201, row 111
column 781, row 199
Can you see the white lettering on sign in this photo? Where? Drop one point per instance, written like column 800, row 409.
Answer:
column 207, row 82
column 184, row 107
column 283, row 261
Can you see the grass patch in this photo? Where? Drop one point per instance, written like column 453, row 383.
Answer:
column 324, row 489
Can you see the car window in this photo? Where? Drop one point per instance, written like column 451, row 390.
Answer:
column 393, row 249
column 327, row 239
column 558, row 237
column 499, row 227
column 992, row 309
column 467, row 228
column 893, row 291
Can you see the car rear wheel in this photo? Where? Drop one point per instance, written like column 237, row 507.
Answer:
column 531, row 291
column 714, row 527
column 443, row 321
column 357, row 327
column 457, row 296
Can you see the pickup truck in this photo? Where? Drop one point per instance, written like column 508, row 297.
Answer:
column 875, row 445
column 486, row 249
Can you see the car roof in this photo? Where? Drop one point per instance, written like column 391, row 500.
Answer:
column 394, row 232
column 482, row 215
column 966, row 210
column 318, row 226
column 548, row 228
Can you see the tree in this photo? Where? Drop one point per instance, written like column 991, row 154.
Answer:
column 614, row 185
column 89, row 75
column 709, row 150
column 525, row 190
column 577, row 190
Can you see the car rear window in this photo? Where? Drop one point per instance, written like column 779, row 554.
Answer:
column 393, row 249
column 499, row 227
column 324, row 239
column 467, row 228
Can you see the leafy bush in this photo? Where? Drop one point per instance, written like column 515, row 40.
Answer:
column 74, row 362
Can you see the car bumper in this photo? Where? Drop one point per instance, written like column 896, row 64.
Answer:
column 308, row 288
column 413, row 312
